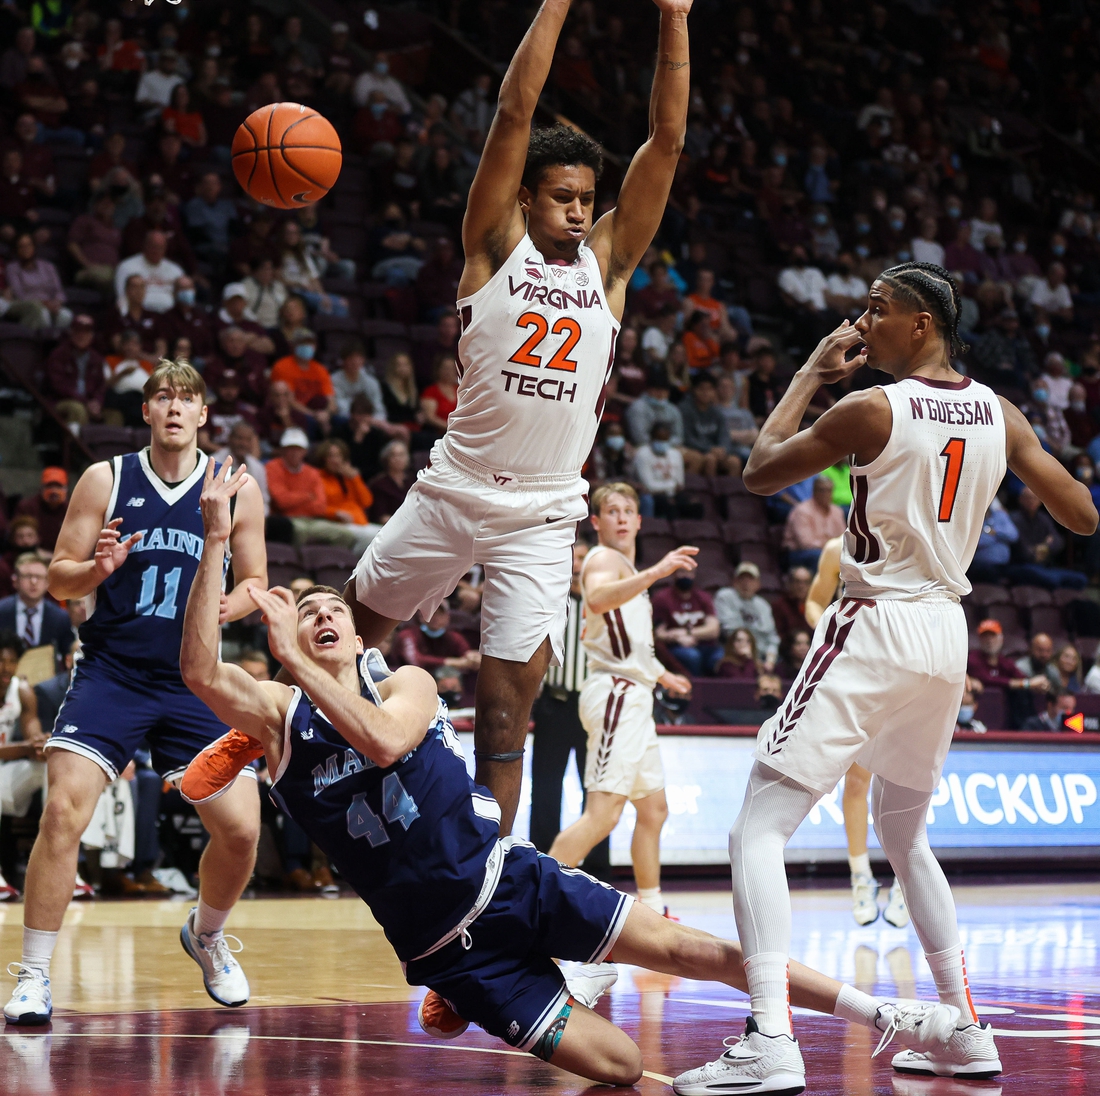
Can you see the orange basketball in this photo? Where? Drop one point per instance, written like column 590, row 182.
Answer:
column 286, row 155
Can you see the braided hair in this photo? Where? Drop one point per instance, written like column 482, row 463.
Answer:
column 931, row 289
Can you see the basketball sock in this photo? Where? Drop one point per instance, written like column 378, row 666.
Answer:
column 773, row 808
column 856, row 1006
column 651, row 896
column 38, row 948
column 949, row 972
column 860, row 865
column 769, row 989
column 900, row 821
column 209, row 921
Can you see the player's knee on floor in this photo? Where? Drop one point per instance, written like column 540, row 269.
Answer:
column 590, row 1046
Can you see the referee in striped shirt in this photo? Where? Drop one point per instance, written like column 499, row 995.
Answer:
column 558, row 731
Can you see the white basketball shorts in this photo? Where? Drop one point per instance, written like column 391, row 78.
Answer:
column 881, row 686
column 521, row 531
column 623, row 755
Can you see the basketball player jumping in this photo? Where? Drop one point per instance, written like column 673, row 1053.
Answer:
column 885, row 675
column 132, row 538
column 540, row 301
column 857, row 780
column 378, row 781
column 616, row 702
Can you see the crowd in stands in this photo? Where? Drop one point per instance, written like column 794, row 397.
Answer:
column 825, row 143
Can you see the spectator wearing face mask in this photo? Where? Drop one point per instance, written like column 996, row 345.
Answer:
column 654, row 407
column 613, row 455
column 659, row 467
column 310, row 382
column 684, row 619
column 967, row 720
column 430, row 642
column 379, row 78
column 188, row 320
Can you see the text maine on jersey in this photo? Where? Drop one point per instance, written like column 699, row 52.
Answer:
column 555, row 297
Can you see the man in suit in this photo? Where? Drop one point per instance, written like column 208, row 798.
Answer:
column 34, row 619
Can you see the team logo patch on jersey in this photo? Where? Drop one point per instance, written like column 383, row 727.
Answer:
column 532, row 273
column 582, row 278
column 136, row 501
column 69, row 728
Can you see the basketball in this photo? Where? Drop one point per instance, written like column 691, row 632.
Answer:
column 286, row 155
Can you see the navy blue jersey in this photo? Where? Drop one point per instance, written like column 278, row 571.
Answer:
column 411, row 839
column 138, row 615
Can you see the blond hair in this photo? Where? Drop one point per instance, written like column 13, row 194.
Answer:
column 601, row 494
column 179, row 376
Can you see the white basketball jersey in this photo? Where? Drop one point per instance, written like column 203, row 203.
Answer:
column 918, row 508
column 537, row 346
column 620, row 642
column 10, row 711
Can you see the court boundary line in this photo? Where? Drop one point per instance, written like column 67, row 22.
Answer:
column 290, row 1039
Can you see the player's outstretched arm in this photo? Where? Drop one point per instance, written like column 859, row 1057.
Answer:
column 823, row 588
column 235, row 697
column 493, row 223
column 621, row 237
column 1067, row 499
column 384, row 735
column 87, row 551
column 249, row 553
column 607, row 588
column 858, row 423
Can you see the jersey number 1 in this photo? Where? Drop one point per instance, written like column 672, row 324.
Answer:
column 954, row 451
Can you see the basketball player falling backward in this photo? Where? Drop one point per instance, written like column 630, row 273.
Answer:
column 540, row 300
column 616, row 702
column 885, row 674
column 132, row 538
column 367, row 762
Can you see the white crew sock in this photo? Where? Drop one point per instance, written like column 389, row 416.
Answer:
column 857, row 1007
column 209, row 922
column 949, row 971
column 651, row 896
column 769, row 991
column 860, row 865
column 38, row 948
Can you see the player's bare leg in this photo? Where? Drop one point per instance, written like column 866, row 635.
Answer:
column 645, row 846
column 233, row 822
column 74, row 785
column 595, row 1048
column 857, row 783
column 506, row 691
column 371, row 627
column 601, row 815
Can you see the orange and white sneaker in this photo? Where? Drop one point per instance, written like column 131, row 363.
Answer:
column 438, row 1019
column 213, row 770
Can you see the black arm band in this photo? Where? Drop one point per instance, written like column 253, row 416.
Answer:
column 511, row 755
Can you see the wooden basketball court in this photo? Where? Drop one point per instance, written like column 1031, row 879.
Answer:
column 330, row 1013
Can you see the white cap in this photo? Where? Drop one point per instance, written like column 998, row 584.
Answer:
column 234, row 289
column 294, row 436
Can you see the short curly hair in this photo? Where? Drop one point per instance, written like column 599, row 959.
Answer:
column 553, row 145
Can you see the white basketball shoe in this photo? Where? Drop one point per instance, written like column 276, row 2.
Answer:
column 754, row 1063
column 896, row 912
column 221, row 973
column 31, row 1003
column 588, row 982
column 968, row 1053
column 864, row 899
column 919, row 1025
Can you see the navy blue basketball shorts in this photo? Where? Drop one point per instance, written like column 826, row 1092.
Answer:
column 508, row 982
column 110, row 708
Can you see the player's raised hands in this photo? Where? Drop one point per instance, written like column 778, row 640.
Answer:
column 679, row 559
column 830, row 361
column 217, row 490
column 281, row 617
column 111, row 550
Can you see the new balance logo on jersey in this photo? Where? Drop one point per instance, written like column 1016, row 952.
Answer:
column 135, row 501
column 554, row 297
column 69, row 728
column 513, row 1030
column 307, row 735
